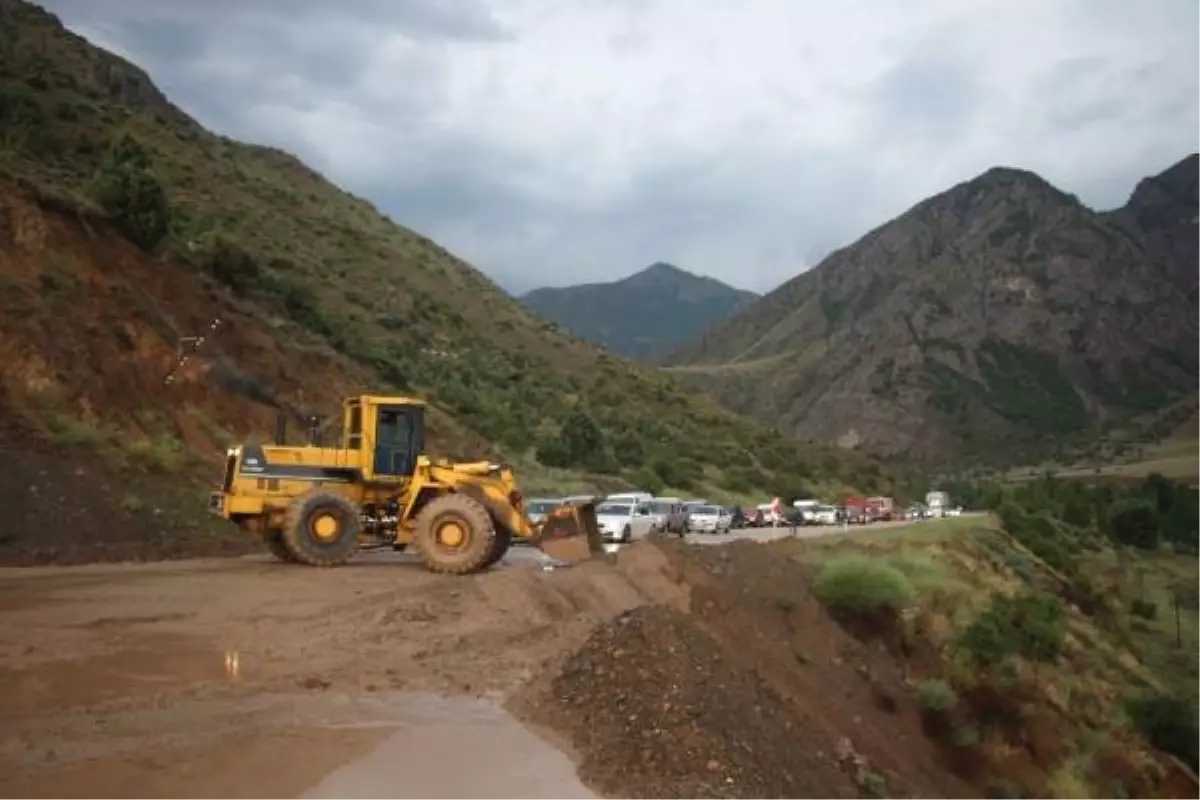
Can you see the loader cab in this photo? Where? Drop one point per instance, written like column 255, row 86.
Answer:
column 387, row 432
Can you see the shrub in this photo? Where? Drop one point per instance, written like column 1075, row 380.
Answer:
column 232, row 266
column 1029, row 625
column 1146, row 609
column 1169, row 723
column 129, row 192
column 860, row 584
column 1135, row 523
column 936, row 695
column 646, row 480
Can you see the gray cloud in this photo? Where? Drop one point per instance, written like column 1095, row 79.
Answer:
column 552, row 143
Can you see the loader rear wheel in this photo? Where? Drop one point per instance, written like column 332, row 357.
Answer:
column 321, row 529
column 454, row 535
column 278, row 547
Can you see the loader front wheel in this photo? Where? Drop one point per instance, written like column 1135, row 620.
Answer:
column 500, row 547
column 455, row 535
column 321, row 529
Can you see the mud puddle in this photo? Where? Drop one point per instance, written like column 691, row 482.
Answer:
column 151, row 664
column 336, row 744
column 497, row 756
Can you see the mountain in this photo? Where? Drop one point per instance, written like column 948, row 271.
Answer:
column 997, row 320
column 642, row 316
column 125, row 226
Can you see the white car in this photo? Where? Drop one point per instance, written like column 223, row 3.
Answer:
column 623, row 522
column 709, row 519
column 825, row 515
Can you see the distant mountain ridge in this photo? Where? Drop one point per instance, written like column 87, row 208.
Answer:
column 644, row 315
column 997, row 319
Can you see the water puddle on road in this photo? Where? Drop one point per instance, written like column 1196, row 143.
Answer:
column 454, row 747
column 150, row 664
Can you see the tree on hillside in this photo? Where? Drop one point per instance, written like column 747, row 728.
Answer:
column 129, row 192
column 1135, row 523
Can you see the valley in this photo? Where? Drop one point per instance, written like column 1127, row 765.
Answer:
column 167, row 292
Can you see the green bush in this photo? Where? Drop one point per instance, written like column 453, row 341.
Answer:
column 232, row 266
column 936, row 695
column 127, row 189
column 646, row 480
column 1169, row 723
column 860, row 584
column 1135, row 523
column 684, row 473
column 1028, row 625
column 1146, row 609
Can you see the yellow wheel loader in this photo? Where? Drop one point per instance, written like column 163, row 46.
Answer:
column 319, row 505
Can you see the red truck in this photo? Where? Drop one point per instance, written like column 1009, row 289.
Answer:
column 865, row 510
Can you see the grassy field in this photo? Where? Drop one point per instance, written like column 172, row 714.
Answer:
column 1178, row 459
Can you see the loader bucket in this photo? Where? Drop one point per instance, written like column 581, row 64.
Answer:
column 570, row 533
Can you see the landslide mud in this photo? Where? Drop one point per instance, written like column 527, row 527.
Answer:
column 666, row 670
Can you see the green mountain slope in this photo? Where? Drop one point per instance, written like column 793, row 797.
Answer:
column 642, row 316
column 996, row 321
column 337, row 296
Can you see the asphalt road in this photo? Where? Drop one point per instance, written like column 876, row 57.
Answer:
column 518, row 555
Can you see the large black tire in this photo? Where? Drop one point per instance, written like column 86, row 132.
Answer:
column 447, row 516
column 278, row 547
column 307, row 519
column 500, row 546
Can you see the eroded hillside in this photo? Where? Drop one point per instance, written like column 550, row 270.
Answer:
column 996, row 320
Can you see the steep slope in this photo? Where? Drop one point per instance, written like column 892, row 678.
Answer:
column 644, row 315
column 124, row 226
column 993, row 321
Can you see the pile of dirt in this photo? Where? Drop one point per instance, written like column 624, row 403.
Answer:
column 656, row 709
column 742, row 687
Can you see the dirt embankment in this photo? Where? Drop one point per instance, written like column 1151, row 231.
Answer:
column 745, row 688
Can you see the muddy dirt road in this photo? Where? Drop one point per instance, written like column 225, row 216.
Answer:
column 245, row 677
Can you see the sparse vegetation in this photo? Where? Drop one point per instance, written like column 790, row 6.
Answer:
column 897, row 328
column 1009, row 648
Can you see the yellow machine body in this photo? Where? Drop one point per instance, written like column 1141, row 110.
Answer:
column 301, row 498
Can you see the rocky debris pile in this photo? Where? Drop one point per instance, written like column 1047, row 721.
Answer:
column 656, row 709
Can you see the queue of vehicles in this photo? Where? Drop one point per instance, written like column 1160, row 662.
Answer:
column 627, row 516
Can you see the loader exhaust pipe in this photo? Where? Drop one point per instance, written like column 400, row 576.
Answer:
column 280, row 429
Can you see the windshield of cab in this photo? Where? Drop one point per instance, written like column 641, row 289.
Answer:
column 613, row 510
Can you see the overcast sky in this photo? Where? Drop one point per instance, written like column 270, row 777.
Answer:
column 552, row 142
